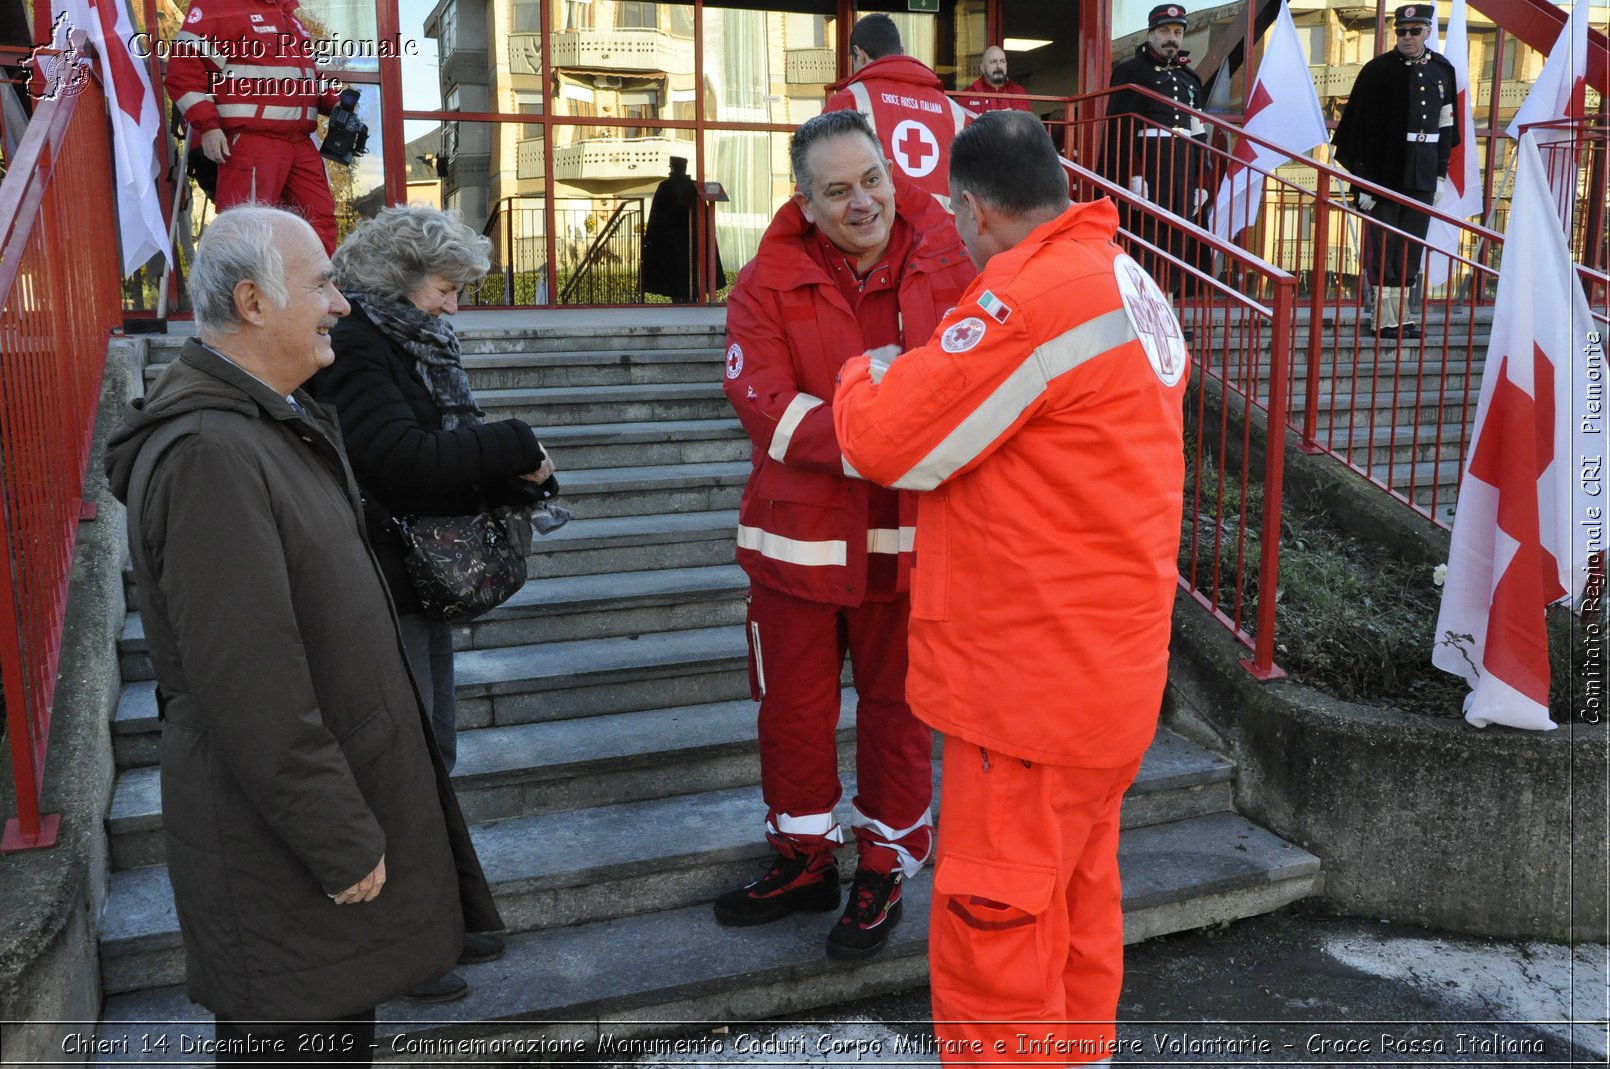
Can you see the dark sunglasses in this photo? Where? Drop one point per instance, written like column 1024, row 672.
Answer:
column 1410, row 31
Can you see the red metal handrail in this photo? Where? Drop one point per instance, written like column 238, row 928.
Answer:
column 59, row 300
column 1230, row 557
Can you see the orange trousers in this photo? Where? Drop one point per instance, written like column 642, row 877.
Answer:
column 1026, row 935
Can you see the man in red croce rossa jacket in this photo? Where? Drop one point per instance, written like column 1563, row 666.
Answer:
column 242, row 74
column 850, row 262
column 904, row 101
column 994, row 79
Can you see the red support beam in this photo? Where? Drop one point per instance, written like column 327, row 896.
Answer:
column 1538, row 24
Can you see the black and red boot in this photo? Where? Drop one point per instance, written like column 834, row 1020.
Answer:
column 870, row 915
column 798, row 882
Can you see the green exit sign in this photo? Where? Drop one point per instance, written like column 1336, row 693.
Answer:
column 930, row 6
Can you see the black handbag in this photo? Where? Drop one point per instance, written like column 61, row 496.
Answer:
column 463, row 566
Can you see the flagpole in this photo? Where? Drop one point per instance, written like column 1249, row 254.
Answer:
column 1504, row 187
column 180, row 181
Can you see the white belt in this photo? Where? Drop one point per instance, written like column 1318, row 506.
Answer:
column 1425, row 137
column 1178, row 131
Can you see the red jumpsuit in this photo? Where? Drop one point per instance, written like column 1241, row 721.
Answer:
column 1044, row 422
column 247, row 67
column 915, row 121
column 828, row 553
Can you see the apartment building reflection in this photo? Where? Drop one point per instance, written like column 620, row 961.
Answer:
column 621, row 101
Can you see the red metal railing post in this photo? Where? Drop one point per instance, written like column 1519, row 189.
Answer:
column 59, row 300
column 1283, row 309
column 1318, row 287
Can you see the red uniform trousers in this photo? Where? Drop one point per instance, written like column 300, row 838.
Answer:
column 284, row 172
column 1026, row 933
column 796, row 654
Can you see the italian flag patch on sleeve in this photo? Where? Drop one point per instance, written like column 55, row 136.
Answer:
column 994, row 307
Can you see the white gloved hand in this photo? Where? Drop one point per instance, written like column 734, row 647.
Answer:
column 1138, row 186
column 1442, row 190
column 1198, row 199
column 882, row 357
column 1365, row 201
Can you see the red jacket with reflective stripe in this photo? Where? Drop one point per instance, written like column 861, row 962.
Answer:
column 803, row 526
column 910, row 113
column 247, row 65
column 1044, row 420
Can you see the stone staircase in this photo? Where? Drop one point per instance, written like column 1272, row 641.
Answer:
column 1401, row 412
column 607, row 755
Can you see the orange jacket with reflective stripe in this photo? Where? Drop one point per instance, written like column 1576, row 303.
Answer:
column 248, row 65
column 1044, row 421
column 802, row 525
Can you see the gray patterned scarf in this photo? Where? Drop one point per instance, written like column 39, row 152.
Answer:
column 433, row 344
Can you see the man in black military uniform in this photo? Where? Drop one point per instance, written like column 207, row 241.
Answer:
column 1398, row 131
column 1164, row 162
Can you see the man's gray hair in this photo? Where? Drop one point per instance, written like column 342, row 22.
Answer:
column 237, row 246
column 394, row 253
column 825, row 127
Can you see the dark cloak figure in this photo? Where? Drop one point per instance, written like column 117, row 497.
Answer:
column 669, row 267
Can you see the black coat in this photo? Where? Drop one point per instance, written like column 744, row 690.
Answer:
column 1391, row 99
column 405, row 463
column 669, row 267
column 295, row 750
column 1174, row 79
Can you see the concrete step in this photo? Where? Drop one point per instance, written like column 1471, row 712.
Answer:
column 528, row 683
column 627, row 445
column 557, row 329
column 1386, row 442
column 509, row 772
column 1404, row 405
column 588, row 546
column 553, row 406
column 575, row 369
column 654, row 490
column 611, row 604
column 563, row 609
column 592, row 677
column 575, row 866
column 656, row 972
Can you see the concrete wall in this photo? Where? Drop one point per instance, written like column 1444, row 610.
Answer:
column 50, row 900
column 1420, row 819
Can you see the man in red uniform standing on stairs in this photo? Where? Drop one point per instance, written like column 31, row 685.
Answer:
column 243, row 76
column 849, row 263
column 904, row 101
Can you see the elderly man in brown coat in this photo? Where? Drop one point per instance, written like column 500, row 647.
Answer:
column 320, row 863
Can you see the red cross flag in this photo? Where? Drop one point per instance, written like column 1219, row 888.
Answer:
column 1461, row 194
column 1531, row 510
column 1560, row 92
column 136, row 123
column 1282, row 109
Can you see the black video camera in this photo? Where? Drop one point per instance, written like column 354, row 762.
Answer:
column 347, row 136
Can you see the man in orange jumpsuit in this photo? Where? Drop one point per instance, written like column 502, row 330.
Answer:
column 850, row 263
column 1043, row 420
column 904, row 101
column 243, row 75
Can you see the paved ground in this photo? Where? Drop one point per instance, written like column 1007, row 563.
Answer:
column 1300, row 987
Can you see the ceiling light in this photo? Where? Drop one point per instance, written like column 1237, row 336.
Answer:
column 1023, row 44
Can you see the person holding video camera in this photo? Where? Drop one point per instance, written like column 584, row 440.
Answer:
column 243, row 76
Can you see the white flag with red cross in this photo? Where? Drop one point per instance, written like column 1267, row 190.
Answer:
column 1530, row 509
column 136, row 123
column 1560, row 92
column 1282, row 109
column 1461, row 194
